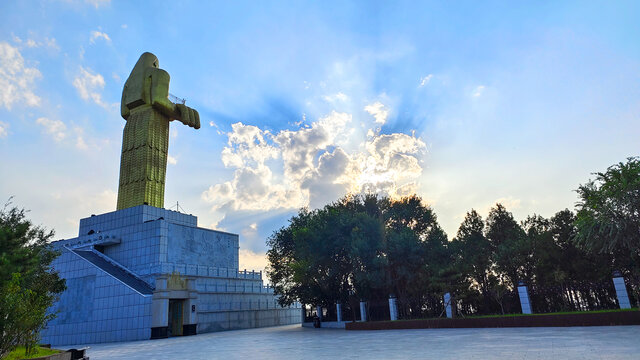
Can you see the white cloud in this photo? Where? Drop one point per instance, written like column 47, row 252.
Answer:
column 81, row 144
column 336, row 97
column 298, row 148
column 378, row 111
column 99, row 35
column 171, row 160
column 311, row 166
column 124, row 26
column 58, row 131
column 477, row 92
column 425, row 80
column 247, row 146
column 56, row 128
column 50, row 43
column 89, row 86
column 4, row 129
column 16, row 80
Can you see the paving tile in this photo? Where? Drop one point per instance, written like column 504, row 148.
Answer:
column 295, row 342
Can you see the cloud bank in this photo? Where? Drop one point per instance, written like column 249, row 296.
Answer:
column 16, row 79
column 315, row 163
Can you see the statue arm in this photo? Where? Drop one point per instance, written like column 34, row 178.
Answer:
column 160, row 100
column 188, row 116
column 160, row 93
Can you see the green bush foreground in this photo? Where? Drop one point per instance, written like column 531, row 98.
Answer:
column 19, row 353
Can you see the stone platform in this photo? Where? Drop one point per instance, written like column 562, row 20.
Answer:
column 145, row 272
column 296, row 342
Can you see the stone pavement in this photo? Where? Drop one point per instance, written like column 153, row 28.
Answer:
column 295, row 342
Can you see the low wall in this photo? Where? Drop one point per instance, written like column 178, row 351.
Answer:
column 585, row 319
column 326, row 324
column 246, row 319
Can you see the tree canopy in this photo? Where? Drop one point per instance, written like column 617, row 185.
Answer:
column 608, row 217
column 28, row 286
column 372, row 247
column 368, row 246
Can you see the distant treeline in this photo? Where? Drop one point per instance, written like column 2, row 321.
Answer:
column 368, row 247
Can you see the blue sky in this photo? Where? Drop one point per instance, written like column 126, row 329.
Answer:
column 464, row 103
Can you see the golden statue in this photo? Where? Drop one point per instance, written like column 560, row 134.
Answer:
column 147, row 108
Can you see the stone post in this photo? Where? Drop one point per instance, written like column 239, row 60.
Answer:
column 393, row 307
column 363, row 310
column 523, row 293
column 160, row 310
column 621, row 290
column 339, row 311
column 447, row 304
column 319, row 312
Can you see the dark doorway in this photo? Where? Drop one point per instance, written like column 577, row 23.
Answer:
column 176, row 308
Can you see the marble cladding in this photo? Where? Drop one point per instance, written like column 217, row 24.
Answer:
column 151, row 242
column 96, row 307
column 133, row 216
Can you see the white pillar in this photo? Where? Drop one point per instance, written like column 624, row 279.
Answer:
column 393, row 307
column 363, row 310
column 319, row 312
column 447, row 304
column 339, row 311
column 160, row 312
column 621, row 290
column 523, row 293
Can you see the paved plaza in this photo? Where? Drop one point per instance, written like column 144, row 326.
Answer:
column 295, row 342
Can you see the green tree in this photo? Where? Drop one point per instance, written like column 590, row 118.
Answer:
column 508, row 243
column 324, row 254
column 414, row 245
column 572, row 262
column 364, row 245
column 28, row 286
column 608, row 217
column 473, row 257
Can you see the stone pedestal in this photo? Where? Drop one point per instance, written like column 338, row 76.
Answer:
column 447, row 305
column 523, row 293
column 621, row 290
column 363, row 310
column 145, row 272
column 339, row 312
column 393, row 307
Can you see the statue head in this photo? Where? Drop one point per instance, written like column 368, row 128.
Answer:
column 146, row 60
column 133, row 93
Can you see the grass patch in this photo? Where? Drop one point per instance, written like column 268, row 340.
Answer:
column 19, row 353
column 543, row 314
